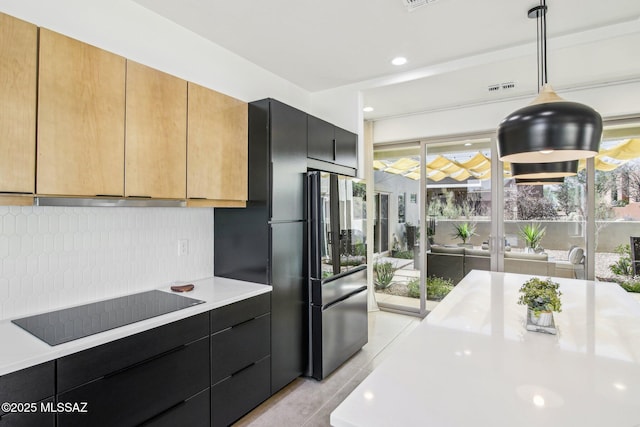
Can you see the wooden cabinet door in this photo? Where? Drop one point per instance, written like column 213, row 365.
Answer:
column 156, row 134
column 217, row 144
column 18, row 68
column 80, row 118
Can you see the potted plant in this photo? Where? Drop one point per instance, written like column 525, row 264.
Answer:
column 464, row 231
column 542, row 298
column 532, row 235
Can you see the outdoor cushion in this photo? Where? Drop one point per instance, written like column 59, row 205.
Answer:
column 447, row 250
column 476, row 252
column 576, row 255
column 527, row 256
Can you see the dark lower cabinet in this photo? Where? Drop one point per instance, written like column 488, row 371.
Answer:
column 208, row 369
column 97, row 362
column 141, row 392
column 34, row 386
column 38, row 418
column 193, row 412
column 238, row 394
column 240, row 358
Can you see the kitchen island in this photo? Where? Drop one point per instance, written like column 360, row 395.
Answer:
column 471, row 362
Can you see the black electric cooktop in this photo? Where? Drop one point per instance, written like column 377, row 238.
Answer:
column 60, row 326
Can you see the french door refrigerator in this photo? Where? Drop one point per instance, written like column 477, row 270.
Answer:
column 336, row 224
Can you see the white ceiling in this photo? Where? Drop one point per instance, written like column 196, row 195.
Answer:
column 455, row 48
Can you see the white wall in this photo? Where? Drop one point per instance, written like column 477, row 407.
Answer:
column 56, row 256
column 614, row 100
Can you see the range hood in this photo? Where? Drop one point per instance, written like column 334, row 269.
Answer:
column 109, row 202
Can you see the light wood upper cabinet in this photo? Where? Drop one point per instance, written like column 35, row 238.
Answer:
column 80, row 118
column 217, row 147
column 156, row 133
column 18, row 76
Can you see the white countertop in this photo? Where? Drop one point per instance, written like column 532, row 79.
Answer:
column 471, row 362
column 19, row 349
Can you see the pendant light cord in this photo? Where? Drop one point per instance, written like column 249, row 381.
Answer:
column 541, row 44
column 544, row 41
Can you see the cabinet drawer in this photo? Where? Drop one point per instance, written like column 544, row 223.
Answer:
column 28, row 385
column 238, row 312
column 82, row 367
column 240, row 393
column 193, row 412
column 30, row 419
column 238, row 347
column 134, row 395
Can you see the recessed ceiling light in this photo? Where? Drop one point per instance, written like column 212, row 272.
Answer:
column 367, row 109
column 468, row 144
column 400, row 60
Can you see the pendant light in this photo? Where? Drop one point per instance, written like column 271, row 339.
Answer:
column 544, row 170
column 541, row 181
column 550, row 129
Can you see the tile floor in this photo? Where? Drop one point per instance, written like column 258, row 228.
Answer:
column 307, row 402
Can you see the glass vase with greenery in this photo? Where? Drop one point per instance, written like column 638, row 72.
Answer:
column 542, row 297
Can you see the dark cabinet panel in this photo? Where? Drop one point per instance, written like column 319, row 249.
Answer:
column 331, row 148
column 240, row 393
column 346, row 148
column 240, row 367
column 321, row 140
column 79, row 368
column 193, row 412
column 28, row 385
column 288, row 127
column 30, row 419
column 237, row 347
column 239, row 312
column 241, row 243
column 259, row 152
column 143, row 391
column 288, row 327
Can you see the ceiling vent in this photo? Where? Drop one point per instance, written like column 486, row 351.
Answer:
column 412, row 5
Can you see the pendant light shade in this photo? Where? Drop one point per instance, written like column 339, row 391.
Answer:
column 541, row 181
column 550, row 129
column 544, row 170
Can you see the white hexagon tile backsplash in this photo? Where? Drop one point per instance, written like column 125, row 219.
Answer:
column 52, row 257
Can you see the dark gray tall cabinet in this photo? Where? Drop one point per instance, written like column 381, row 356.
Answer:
column 265, row 242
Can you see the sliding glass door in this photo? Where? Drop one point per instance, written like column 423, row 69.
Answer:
column 448, row 206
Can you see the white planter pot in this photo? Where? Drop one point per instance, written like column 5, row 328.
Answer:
column 544, row 319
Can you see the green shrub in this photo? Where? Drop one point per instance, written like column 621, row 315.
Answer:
column 403, row 254
column 359, row 249
column 623, row 266
column 437, row 288
column 384, row 274
column 631, row 285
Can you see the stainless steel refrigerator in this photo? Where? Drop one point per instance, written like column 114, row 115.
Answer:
column 336, row 223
